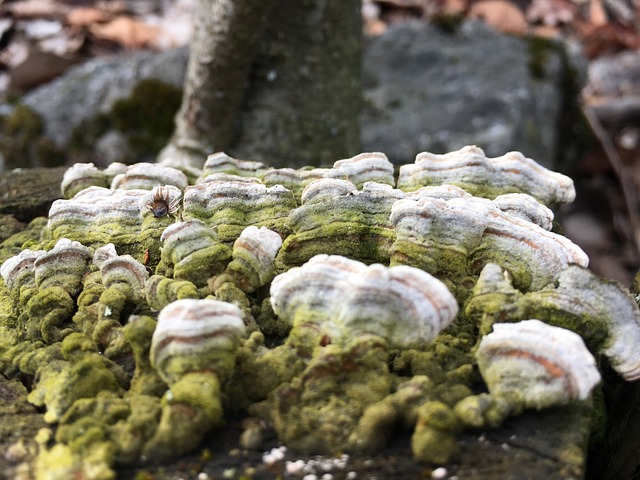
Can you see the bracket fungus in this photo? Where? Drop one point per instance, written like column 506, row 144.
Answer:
column 348, row 315
column 196, row 335
column 458, row 236
column 542, row 364
column 337, row 218
column 192, row 349
column 145, row 176
column 401, row 306
column 220, row 162
column 231, row 206
column 608, row 318
column 334, row 303
column 84, row 175
column 479, row 175
column 358, row 170
column 192, row 251
column 253, row 263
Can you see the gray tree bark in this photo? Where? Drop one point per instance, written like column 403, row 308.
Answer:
column 272, row 80
column 224, row 38
column 305, row 98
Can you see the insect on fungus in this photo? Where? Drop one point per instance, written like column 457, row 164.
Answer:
column 164, row 202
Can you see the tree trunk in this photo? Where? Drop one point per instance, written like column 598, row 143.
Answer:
column 274, row 80
column 304, row 103
column 224, row 37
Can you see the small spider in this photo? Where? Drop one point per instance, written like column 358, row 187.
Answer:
column 165, row 201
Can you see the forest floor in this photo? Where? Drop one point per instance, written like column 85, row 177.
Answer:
column 40, row 39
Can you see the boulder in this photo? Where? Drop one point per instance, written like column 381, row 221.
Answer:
column 425, row 88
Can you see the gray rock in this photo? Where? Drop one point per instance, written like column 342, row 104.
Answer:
column 425, row 89
column 432, row 90
column 613, row 87
column 93, row 87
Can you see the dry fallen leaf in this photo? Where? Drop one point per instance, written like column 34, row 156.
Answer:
column 604, row 39
column 597, row 14
column 85, row 16
column 35, row 9
column 501, row 15
column 454, row 7
column 128, row 32
column 544, row 31
column 375, row 27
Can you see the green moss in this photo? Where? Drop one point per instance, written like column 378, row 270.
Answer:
column 203, row 264
column 84, row 137
column 318, row 410
column 259, row 371
column 61, row 383
column 594, row 330
column 93, row 461
column 9, row 226
column 138, row 332
column 434, row 437
column 49, row 315
column 485, row 410
column 23, row 143
column 539, row 51
column 145, row 118
column 357, row 241
column 189, row 410
column 27, row 238
column 448, row 23
column 270, row 324
column 161, row 291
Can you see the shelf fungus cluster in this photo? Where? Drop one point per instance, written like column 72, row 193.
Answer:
column 336, row 304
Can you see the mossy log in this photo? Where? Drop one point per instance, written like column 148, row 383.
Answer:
column 546, row 444
column 535, row 445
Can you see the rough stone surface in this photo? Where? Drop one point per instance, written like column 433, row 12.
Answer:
column 94, row 86
column 425, row 89
column 428, row 89
column 614, row 86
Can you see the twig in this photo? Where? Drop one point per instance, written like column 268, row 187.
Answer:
column 628, row 189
